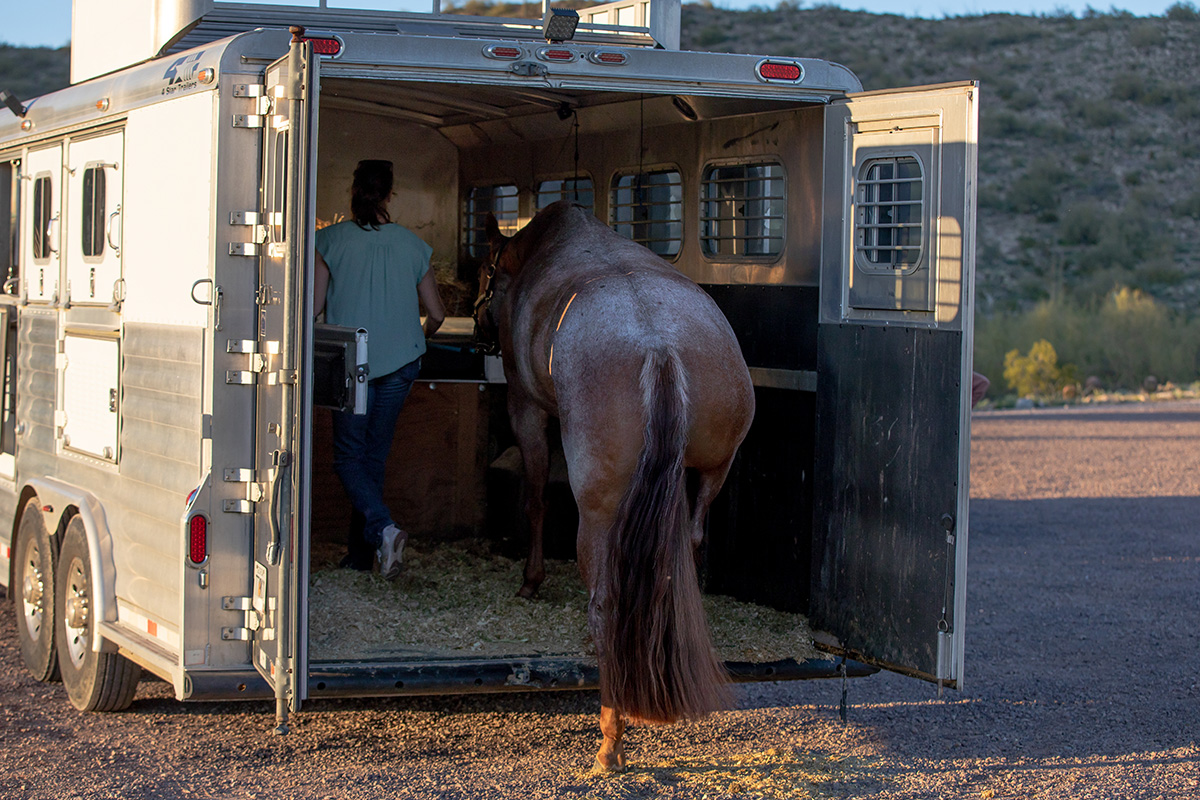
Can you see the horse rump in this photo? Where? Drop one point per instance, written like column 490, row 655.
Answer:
column 658, row 664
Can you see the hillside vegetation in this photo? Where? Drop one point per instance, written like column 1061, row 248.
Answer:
column 1089, row 180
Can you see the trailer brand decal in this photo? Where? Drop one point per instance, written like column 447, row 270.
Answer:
column 181, row 75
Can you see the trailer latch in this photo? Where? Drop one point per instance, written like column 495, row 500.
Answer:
column 529, row 69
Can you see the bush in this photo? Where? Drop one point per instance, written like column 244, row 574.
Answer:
column 1183, row 12
column 1036, row 374
column 1121, row 339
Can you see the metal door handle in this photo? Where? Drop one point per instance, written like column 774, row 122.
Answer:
column 109, row 231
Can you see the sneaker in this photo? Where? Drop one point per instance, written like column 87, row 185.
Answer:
column 391, row 552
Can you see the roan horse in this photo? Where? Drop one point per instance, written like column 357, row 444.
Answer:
column 653, row 398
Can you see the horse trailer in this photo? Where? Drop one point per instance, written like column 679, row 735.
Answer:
column 166, row 484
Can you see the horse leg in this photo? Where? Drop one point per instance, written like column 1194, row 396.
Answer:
column 611, row 757
column 709, row 483
column 529, row 427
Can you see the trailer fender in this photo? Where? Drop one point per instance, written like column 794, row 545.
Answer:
column 60, row 496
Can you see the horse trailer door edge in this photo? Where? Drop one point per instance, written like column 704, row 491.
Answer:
column 894, row 345
column 279, row 485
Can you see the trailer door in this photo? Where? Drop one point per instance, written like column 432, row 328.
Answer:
column 42, row 206
column 280, row 372
column 894, row 374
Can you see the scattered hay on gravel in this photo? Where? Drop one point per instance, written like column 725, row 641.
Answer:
column 458, row 600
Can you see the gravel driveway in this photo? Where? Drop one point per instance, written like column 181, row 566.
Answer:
column 1082, row 676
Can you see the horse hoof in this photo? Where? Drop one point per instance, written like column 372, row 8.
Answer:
column 609, row 765
column 527, row 591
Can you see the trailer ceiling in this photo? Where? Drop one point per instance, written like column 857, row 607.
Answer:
column 470, row 114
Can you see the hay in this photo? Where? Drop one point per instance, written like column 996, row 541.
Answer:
column 457, row 600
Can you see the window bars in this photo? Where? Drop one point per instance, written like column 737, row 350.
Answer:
column 890, row 213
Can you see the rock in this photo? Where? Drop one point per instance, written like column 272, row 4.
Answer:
column 1025, row 402
column 1150, row 384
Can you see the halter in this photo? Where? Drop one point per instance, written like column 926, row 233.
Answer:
column 485, row 343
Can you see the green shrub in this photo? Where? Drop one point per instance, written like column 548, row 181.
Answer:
column 1183, row 12
column 1147, row 35
column 1036, row 374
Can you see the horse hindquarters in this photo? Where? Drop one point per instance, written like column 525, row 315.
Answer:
column 657, row 660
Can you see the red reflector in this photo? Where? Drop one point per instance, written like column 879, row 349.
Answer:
column 326, row 47
column 505, row 52
column 198, row 539
column 557, row 55
column 611, row 58
column 776, row 71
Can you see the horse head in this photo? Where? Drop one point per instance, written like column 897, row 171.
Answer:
column 493, row 281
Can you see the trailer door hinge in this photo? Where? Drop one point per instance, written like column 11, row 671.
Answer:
column 243, row 248
column 248, row 90
column 250, row 219
column 248, row 120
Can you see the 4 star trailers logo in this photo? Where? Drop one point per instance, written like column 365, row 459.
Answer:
column 181, row 75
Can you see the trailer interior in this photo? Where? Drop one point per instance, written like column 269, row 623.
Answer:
column 726, row 189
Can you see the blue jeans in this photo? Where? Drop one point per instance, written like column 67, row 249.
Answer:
column 361, row 443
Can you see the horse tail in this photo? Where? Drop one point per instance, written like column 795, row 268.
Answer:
column 658, row 663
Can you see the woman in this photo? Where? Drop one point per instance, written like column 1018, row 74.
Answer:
column 370, row 274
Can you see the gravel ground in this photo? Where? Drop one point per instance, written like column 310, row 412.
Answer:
column 1082, row 677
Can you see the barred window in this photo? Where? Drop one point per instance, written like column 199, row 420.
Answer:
column 888, row 227
column 481, row 200
column 648, row 208
column 742, row 210
column 41, row 218
column 93, row 212
column 576, row 190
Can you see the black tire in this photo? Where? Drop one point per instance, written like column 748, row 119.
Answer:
column 35, row 561
column 94, row 681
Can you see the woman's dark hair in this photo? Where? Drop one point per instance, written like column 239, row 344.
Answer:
column 370, row 192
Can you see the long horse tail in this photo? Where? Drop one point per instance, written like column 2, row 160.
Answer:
column 658, row 663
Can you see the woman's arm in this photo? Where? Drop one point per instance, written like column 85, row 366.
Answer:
column 435, row 312
column 320, row 285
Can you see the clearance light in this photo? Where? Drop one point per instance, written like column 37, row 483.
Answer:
column 102, row 105
column 206, row 75
column 785, row 71
column 26, row 124
column 503, row 51
column 610, row 57
column 325, row 45
column 198, row 539
column 555, row 54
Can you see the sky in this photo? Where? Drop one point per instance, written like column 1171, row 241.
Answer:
column 47, row 23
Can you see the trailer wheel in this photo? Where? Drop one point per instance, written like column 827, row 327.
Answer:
column 32, row 593
column 94, row 681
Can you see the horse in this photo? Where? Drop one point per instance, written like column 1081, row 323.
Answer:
column 653, row 398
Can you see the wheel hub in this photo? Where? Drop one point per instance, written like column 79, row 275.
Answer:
column 32, row 589
column 76, row 611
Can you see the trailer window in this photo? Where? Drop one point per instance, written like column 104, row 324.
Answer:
column 93, row 212
column 888, row 224
column 577, row 190
column 500, row 201
column 40, row 235
column 647, row 207
column 742, row 210
column 10, row 203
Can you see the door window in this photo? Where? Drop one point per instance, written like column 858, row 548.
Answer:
column 92, row 215
column 40, row 235
column 499, row 200
column 890, row 200
column 742, row 210
column 647, row 207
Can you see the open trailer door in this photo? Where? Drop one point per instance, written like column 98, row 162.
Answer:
column 894, row 379
column 283, row 384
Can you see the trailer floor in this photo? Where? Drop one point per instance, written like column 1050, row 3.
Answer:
column 458, row 599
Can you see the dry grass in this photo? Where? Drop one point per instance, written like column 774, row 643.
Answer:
column 458, row 600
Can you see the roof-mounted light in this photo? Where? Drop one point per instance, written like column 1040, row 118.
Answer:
column 326, row 45
column 776, row 70
column 559, row 54
column 504, row 52
column 612, row 58
column 558, row 24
